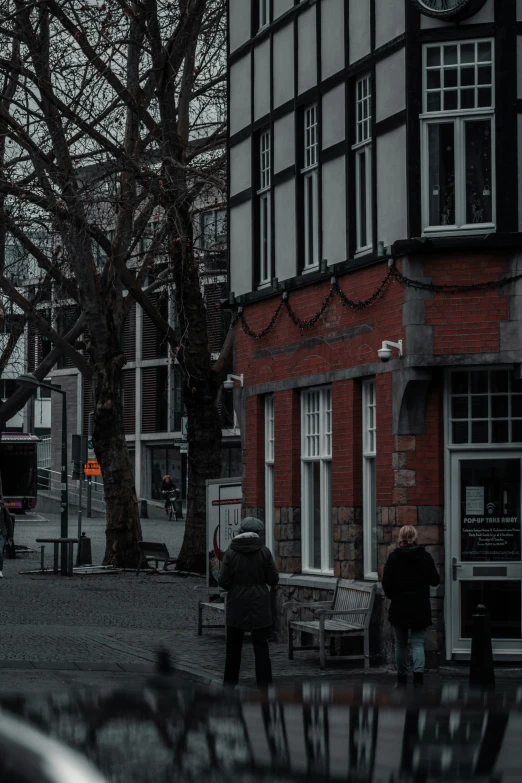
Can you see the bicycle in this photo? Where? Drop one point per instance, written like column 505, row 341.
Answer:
column 170, row 499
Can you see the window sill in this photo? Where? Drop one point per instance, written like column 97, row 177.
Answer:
column 307, row 270
column 315, row 581
column 262, row 286
column 363, row 251
column 465, row 231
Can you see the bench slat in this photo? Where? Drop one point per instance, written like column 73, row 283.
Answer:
column 330, row 626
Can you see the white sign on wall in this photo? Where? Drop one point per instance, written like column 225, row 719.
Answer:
column 224, row 501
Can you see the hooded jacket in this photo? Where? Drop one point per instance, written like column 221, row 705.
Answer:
column 247, row 568
column 408, row 574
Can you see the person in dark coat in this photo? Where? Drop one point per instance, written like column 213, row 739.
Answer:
column 6, row 532
column 247, row 568
column 408, row 574
column 167, row 485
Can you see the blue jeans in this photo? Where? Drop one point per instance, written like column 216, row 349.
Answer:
column 2, row 544
column 401, row 649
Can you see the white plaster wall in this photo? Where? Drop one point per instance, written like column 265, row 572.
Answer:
column 280, row 6
column 240, row 173
column 285, row 245
column 391, row 186
column 390, row 76
column 283, row 65
column 359, row 25
column 240, row 95
column 389, row 20
column 332, row 37
column 334, row 211
column 239, row 23
column 284, row 142
column 262, row 80
column 307, row 48
column 519, row 10
column 333, row 129
column 241, row 249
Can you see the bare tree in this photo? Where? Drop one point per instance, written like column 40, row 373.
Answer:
column 112, row 120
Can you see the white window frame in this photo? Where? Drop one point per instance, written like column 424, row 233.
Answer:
column 490, row 419
column 363, row 152
column 369, row 423
column 269, row 471
column 264, row 14
column 458, row 118
column 265, row 220
column 310, row 183
column 316, row 447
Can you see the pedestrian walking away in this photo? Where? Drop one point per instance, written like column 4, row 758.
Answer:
column 246, row 571
column 408, row 574
column 6, row 533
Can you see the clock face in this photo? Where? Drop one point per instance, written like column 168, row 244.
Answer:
column 452, row 10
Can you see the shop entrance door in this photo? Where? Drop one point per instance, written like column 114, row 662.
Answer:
column 485, row 564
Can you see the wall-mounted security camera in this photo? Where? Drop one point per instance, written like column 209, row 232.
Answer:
column 228, row 385
column 385, row 352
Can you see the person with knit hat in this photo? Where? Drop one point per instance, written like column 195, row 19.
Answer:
column 246, row 571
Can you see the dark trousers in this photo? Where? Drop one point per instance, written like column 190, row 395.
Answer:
column 261, row 653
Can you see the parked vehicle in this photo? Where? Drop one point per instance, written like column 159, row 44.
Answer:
column 18, row 468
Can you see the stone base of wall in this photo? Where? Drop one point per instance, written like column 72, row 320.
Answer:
column 382, row 649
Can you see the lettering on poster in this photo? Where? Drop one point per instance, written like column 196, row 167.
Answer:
column 474, row 501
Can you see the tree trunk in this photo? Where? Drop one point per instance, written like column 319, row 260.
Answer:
column 204, row 462
column 200, row 392
column 123, row 529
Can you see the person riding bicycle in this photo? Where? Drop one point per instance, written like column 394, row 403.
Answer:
column 167, row 485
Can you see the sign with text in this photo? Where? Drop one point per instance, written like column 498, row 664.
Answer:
column 92, row 468
column 224, row 501
column 490, row 539
column 490, row 510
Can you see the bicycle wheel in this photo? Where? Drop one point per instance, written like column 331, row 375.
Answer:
column 170, row 513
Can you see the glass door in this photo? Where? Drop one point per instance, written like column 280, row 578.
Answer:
column 485, row 550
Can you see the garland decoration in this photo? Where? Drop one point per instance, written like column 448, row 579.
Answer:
column 360, row 305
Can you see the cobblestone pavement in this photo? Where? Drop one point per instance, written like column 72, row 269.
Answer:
column 103, row 630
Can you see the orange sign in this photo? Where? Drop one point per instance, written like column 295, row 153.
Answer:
column 92, row 468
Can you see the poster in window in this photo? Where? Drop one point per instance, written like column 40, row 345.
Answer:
column 490, row 511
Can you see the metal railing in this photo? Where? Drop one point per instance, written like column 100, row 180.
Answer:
column 49, row 481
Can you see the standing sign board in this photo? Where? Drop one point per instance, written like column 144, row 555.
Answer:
column 224, row 501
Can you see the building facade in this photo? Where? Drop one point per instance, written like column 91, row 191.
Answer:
column 374, row 196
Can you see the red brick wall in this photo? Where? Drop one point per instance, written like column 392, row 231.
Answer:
column 287, row 449
column 354, row 337
column 254, row 472
column 346, row 444
column 466, row 323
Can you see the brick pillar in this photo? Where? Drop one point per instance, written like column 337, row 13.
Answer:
column 287, row 483
column 347, row 479
column 254, row 457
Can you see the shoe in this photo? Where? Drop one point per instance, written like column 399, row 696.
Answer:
column 418, row 679
column 1, row 575
column 402, row 681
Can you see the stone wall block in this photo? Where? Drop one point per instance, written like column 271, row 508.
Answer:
column 399, row 496
column 404, row 478
column 399, row 460
column 430, row 515
column 406, row 515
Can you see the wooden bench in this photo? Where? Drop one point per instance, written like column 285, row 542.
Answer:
column 216, row 603
column 349, row 614
column 68, row 542
column 151, row 550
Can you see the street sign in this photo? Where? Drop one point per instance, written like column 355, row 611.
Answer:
column 92, row 468
column 179, row 441
column 184, row 427
column 183, row 449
